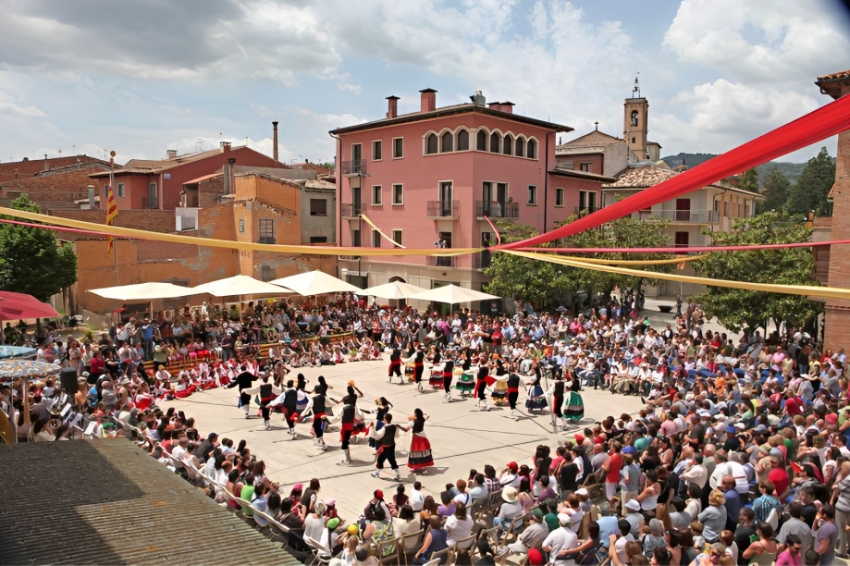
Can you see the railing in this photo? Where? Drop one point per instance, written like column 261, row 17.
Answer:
column 482, row 260
column 441, row 261
column 496, row 209
column 586, row 209
column 689, row 216
column 443, row 208
column 353, row 167
column 350, row 210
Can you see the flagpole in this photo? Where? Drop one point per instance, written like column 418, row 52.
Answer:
column 112, row 188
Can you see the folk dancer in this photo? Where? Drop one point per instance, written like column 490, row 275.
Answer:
column 386, row 453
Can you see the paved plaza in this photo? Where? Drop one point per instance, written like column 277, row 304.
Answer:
column 462, row 437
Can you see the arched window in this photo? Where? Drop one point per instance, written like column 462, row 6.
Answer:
column 447, row 142
column 481, row 141
column 634, row 118
column 531, row 148
column 520, row 147
column 494, row 142
column 431, row 144
column 462, row 140
column 508, row 146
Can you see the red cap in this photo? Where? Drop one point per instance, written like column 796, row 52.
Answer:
column 379, row 494
column 579, row 439
column 535, row 557
column 513, row 466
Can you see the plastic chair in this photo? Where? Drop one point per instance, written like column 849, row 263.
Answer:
column 448, row 552
column 321, row 555
column 393, row 557
column 417, row 537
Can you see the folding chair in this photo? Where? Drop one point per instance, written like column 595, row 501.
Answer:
column 417, row 537
column 447, row 552
column 434, row 562
column 392, row 557
column 321, row 555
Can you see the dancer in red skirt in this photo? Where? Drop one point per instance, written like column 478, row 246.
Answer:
column 420, row 449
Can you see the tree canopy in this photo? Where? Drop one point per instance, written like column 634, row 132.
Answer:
column 776, row 191
column 32, row 260
column 736, row 308
column 811, row 191
column 750, row 181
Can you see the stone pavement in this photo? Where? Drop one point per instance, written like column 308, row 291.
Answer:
column 461, row 436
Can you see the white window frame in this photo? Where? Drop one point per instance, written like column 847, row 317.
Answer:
column 380, row 144
column 121, row 190
column 352, row 150
column 376, row 238
column 530, row 192
column 401, row 202
column 399, row 241
column 402, row 148
column 380, row 194
column 559, row 191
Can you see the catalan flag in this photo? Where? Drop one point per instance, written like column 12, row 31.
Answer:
column 111, row 213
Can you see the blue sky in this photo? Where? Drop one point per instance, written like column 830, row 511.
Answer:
column 142, row 77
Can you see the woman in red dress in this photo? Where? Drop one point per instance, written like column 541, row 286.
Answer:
column 420, row 449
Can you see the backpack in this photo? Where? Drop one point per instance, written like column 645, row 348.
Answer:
column 371, row 510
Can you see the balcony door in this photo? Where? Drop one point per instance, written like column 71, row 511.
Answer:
column 683, row 210
column 356, row 201
column 445, row 241
column 445, row 199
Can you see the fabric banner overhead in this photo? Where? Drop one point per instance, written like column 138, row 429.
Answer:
column 381, row 232
column 824, row 122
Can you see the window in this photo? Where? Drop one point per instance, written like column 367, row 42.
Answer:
column 634, row 121
column 531, row 149
column 355, row 239
column 532, row 194
column 508, row 146
column 152, row 196
column 377, row 195
column 494, row 142
column 267, row 272
column 398, row 148
column 634, row 140
column 584, row 167
column 447, row 142
column 120, row 190
column 356, row 152
column 520, row 147
column 377, row 150
column 318, row 239
column 318, row 207
column 559, row 197
column 266, row 231
column 682, row 241
column 567, row 165
column 586, row 201
column 431, row 144
column 398, row 195
column 376, row 239
column 241, row 225
column 481, row 140
column 398, row 237
column 105, row 191
column 462, row 140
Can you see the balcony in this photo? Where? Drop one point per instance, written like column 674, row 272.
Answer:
column 441, row 261
column 443, row 209
column 586, row 209
column 683, row 216
column 496, row 209
column 482, row 260
column 353, row 168
column 350, row 210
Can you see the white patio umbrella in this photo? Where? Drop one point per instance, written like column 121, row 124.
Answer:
column 452, row 294
column 393, row 290
column 316, row 283
column 238, row 285
column 144, row 292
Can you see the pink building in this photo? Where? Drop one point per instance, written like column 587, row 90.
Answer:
column 432, row 176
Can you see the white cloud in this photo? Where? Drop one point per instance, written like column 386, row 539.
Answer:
column 10, row 107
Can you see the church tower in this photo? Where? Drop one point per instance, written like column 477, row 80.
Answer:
column 635, row 124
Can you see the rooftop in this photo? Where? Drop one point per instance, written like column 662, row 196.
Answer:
column 108, row 502
column 650, row 175
column 155, row 166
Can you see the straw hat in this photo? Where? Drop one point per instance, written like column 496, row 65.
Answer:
column 509, row 494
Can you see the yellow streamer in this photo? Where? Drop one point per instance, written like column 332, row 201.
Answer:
column 805, row 290
column 632, row 261
column 136, row 234
column 379, row 231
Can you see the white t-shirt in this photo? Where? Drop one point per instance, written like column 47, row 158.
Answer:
column 457, row 529
column 620, row 547
column 561, row 539
column 417, row 500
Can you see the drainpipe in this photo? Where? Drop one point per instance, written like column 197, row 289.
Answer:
column 546, row 186
column 713, row 201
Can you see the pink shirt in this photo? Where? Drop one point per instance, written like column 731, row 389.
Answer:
column 786, row 559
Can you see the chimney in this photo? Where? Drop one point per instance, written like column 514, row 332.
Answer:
column 91, row 197
column 274, row 141
column 508, row 107
column 229, row 176
column 478, row 98
column 428, row 99
column 392, row 106
column 172, row 153
column 225, row 147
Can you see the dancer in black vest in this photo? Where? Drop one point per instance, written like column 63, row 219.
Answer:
column 386, row 452
column 448, row 375
column 318, row 403
column 481, row 384
column 244, row 381
column 513, row 392
column 348, row 416
column 395, row 366
column 419, row 368
column 557, row 391
column 289, row 401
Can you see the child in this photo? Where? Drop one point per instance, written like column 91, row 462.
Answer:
column 699, row 541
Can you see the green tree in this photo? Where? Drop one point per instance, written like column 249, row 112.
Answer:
column 811, row 190
column 750, row 181
column 736, row 308
column 776, row 191
column 32, row 260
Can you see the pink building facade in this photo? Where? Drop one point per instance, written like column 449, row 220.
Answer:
column 432, row 176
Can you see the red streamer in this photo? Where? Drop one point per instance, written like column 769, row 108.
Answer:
column 691, row 249
column 811, row 128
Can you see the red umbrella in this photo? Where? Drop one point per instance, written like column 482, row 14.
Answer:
column 19, row 305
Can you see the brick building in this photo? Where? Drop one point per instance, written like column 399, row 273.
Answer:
column 25, row 168
column 837, row 314
column 57, row 188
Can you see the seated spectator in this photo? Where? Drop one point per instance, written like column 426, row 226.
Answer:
column 435, row 541
column 510, row 508
column 459, row 525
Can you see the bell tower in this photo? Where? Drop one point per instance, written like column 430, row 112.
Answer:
column 635, row 124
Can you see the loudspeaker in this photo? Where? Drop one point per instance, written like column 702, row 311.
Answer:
column 68, row 380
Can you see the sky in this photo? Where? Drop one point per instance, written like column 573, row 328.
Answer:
column 141, row 77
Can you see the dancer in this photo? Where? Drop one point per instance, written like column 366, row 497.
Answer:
column 536, row 396
column 419, row 368
column 386, row 453
column 348, row 416
column 267, row 393
column 481, row 384
column 448, row 375
column 384, row 407
column 557, row 393
column 318, row 403
column 303, row 400
column 574, row 409
column 395, row 366
column 513, row 393
column 420, row 449
column 500, row 385
column 289, row 401
column 466, row 383
column 244, row 381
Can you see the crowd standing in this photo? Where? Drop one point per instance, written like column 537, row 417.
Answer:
column 739, row 455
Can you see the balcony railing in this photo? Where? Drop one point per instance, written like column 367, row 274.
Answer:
column 441, row 261
column 443, row 209
column 353, row 167
column 350, row 210
column 586, row 209
column 687, row 216
column 496, row 209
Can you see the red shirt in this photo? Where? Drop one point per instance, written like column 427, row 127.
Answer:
column 793, row 406
column 97, row 366
column 779, row 478
column 615, row 464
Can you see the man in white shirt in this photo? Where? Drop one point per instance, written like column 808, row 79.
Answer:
column 560, row 540
column 417, row 498
column 619, row 544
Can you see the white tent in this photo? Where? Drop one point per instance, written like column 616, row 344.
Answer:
column 393, row 290
column 238, row 285
column 315, row 283
column 452, row 294
column 144, row 292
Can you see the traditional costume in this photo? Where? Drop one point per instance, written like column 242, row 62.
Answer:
column 448, row 375
column 536, row 396
column 395, row 366
column 574, row 409
column 481, row 384
column 420, row 449
column 466, row 380
column 513, row 392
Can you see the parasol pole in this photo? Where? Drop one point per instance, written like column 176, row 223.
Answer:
column 111, row 187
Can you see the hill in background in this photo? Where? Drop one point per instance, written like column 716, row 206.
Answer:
column 790, row 170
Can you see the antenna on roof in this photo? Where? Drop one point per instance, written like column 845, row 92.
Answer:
column 636, row 89
column 596, row 126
